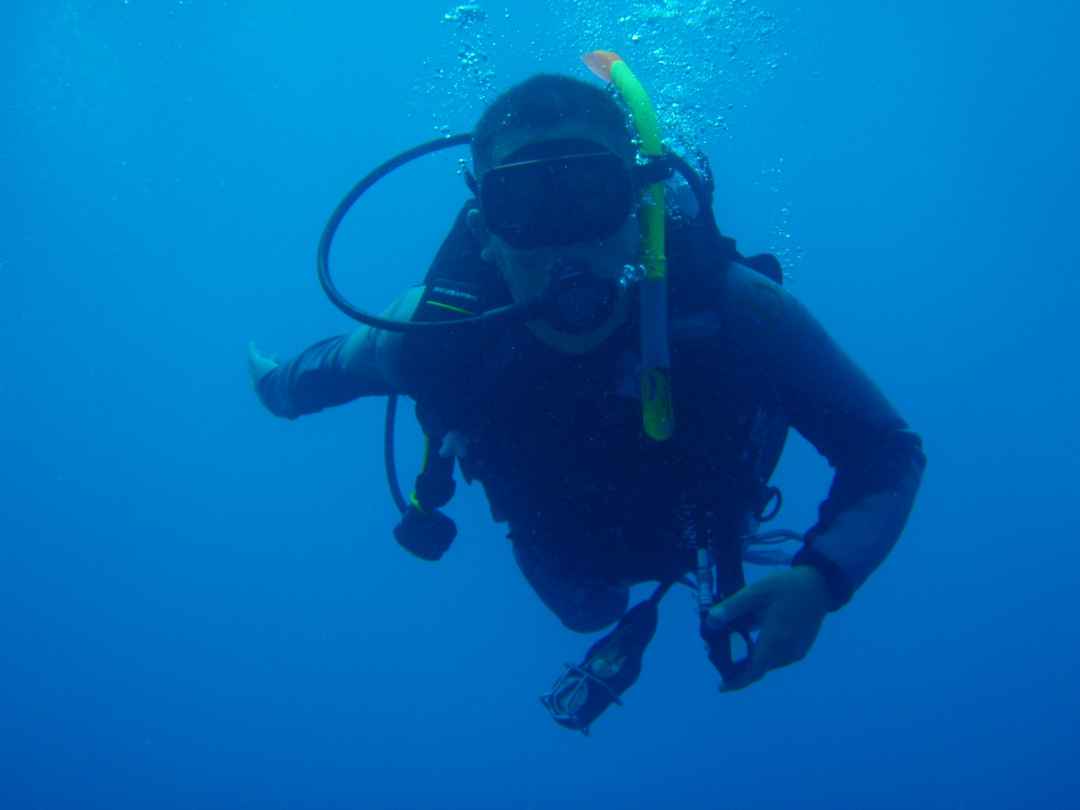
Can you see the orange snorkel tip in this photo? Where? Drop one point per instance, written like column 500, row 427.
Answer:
column 600, row 62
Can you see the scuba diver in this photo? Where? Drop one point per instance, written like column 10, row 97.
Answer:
column 623, row 420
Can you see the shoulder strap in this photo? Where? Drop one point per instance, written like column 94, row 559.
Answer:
column 459, row 283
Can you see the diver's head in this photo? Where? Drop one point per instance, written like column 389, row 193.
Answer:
column 555, row 176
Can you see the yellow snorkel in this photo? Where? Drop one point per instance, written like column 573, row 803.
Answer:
column 656, row 406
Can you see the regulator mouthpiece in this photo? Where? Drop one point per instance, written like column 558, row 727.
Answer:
column 579, row 301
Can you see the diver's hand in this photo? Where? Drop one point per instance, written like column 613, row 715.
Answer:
column 259, row 364
column 787, row 608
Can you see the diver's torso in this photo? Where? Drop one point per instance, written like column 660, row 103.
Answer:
column 557, row 442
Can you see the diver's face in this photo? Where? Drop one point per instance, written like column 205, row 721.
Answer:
column 528, row 271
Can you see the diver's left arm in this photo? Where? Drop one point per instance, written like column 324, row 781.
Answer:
column 878, row 464
column 878, row 461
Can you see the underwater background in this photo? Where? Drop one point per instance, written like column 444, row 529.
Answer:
column 202, row 606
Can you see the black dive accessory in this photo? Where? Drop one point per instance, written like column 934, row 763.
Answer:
column 729, row 648
column 718, row 574
column 562, row 192
column 611, row 666
column 424, row 530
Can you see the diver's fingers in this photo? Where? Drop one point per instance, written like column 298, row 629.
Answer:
column 252, row 354
column 763, row 657
column 778, row 645
column 259, row 365
column 744, row 602
column 741, row 681
column 753, row 672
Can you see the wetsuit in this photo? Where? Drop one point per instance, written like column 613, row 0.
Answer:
column 556, row 440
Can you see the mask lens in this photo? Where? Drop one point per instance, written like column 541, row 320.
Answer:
column 557, row 201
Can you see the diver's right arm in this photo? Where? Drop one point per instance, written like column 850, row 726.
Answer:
column 336, row 370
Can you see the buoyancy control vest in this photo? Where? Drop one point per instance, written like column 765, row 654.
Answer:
column 556, row 439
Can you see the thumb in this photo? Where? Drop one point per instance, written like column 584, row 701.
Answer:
column 744, row 602
column 259, row 365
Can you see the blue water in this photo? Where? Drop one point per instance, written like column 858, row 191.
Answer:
column 202, row 606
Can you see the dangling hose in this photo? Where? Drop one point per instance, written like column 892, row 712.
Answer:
column 388, row 454
column 322, row 259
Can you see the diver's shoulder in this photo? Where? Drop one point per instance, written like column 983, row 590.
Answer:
column 749, row 305
column 744, row 287
column 727, row 303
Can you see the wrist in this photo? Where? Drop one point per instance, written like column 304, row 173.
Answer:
column 814, row 586
column 837, row 589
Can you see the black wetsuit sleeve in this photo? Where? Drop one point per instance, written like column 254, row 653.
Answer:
column 316, row 378
column 878, row 461
column 340, row 369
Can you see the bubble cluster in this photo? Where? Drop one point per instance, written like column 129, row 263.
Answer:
column 462, row 84
column 701, row 58
column 469, row 22
column 703, row 62
column 781, row 239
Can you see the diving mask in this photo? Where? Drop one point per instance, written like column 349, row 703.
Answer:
column 561, row 192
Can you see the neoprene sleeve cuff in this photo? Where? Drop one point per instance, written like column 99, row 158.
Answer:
column 840, row 587
column 855, row 541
